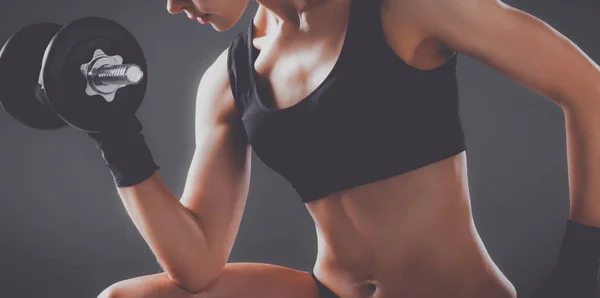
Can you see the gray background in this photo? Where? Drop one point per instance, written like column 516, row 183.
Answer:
column 64, row 231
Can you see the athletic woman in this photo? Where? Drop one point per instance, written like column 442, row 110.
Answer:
column 355, row 103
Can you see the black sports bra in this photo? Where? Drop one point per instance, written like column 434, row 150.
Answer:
column 372, row 118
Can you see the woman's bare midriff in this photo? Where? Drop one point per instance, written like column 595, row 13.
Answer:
column 411, row 235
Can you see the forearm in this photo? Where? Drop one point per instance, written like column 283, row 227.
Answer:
column 583, row 156
column 173, row 233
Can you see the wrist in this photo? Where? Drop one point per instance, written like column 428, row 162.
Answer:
column 126, row 154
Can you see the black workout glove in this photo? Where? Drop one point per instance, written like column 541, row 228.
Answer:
column 126, row 154
column 575, row 273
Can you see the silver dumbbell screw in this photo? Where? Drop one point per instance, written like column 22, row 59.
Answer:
column 107, row 74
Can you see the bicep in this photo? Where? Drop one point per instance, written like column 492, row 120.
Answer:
column 218, row 179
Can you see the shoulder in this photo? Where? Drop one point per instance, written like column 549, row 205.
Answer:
column 429, row 25
column 214, row 96
column 436, row 18
column 216, row 77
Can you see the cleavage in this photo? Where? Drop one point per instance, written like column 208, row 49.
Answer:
column 291, row 68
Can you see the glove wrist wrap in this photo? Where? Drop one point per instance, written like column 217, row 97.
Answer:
column 126, row 154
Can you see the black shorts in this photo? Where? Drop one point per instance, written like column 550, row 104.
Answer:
column 324, row 292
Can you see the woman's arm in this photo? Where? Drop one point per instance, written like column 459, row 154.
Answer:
column 535, row 55
column 192, row 237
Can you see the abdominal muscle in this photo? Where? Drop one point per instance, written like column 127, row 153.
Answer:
column 411, row 235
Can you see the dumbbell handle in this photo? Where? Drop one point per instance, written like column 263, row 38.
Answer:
column 110, row 75
column 125, row 74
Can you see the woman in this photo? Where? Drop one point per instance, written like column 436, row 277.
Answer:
column 355, row 103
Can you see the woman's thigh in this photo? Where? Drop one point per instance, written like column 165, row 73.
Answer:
column 237, row 280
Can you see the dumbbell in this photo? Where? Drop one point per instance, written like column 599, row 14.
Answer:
column 52, row 75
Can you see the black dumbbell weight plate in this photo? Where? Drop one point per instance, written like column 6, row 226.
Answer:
column 20, row 63
column 65, row 86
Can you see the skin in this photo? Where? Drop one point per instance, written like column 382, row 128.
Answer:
column 411, row 235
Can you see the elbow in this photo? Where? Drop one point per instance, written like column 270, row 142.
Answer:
column 192, row 284
column 201, row 265
column 197, row 279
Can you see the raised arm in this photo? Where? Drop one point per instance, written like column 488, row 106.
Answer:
column 537, row 56
column 192, row 237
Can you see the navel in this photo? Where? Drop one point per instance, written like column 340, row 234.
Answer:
column 368, row 288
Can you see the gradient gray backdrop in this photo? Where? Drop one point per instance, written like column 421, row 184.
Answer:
column 65, row 233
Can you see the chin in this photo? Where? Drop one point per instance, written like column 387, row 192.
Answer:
column 222, row 24
column 222, row 27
